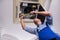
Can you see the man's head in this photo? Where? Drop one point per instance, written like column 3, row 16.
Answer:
column 37, row 21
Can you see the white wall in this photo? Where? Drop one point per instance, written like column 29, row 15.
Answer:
column 6, row 20
column 55, row 10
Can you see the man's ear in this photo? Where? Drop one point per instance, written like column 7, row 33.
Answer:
column 39, row 22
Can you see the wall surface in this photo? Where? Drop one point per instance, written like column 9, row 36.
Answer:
column 55, row 10
column 6, row 22
column 8, row 27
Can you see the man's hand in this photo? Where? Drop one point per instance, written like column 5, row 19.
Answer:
column 21, row 16
column 34, row 12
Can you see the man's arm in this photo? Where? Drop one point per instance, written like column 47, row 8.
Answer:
column 45, row 13
column 28, row 29
column 21, row 21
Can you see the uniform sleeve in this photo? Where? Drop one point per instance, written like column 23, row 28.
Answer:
column 31, row 30
column 49, row 20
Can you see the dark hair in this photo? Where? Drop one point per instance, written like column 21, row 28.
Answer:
column 41, row 17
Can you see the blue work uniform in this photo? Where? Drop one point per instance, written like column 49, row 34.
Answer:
column 44, row 31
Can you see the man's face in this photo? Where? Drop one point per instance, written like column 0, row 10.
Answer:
column 37, row 21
